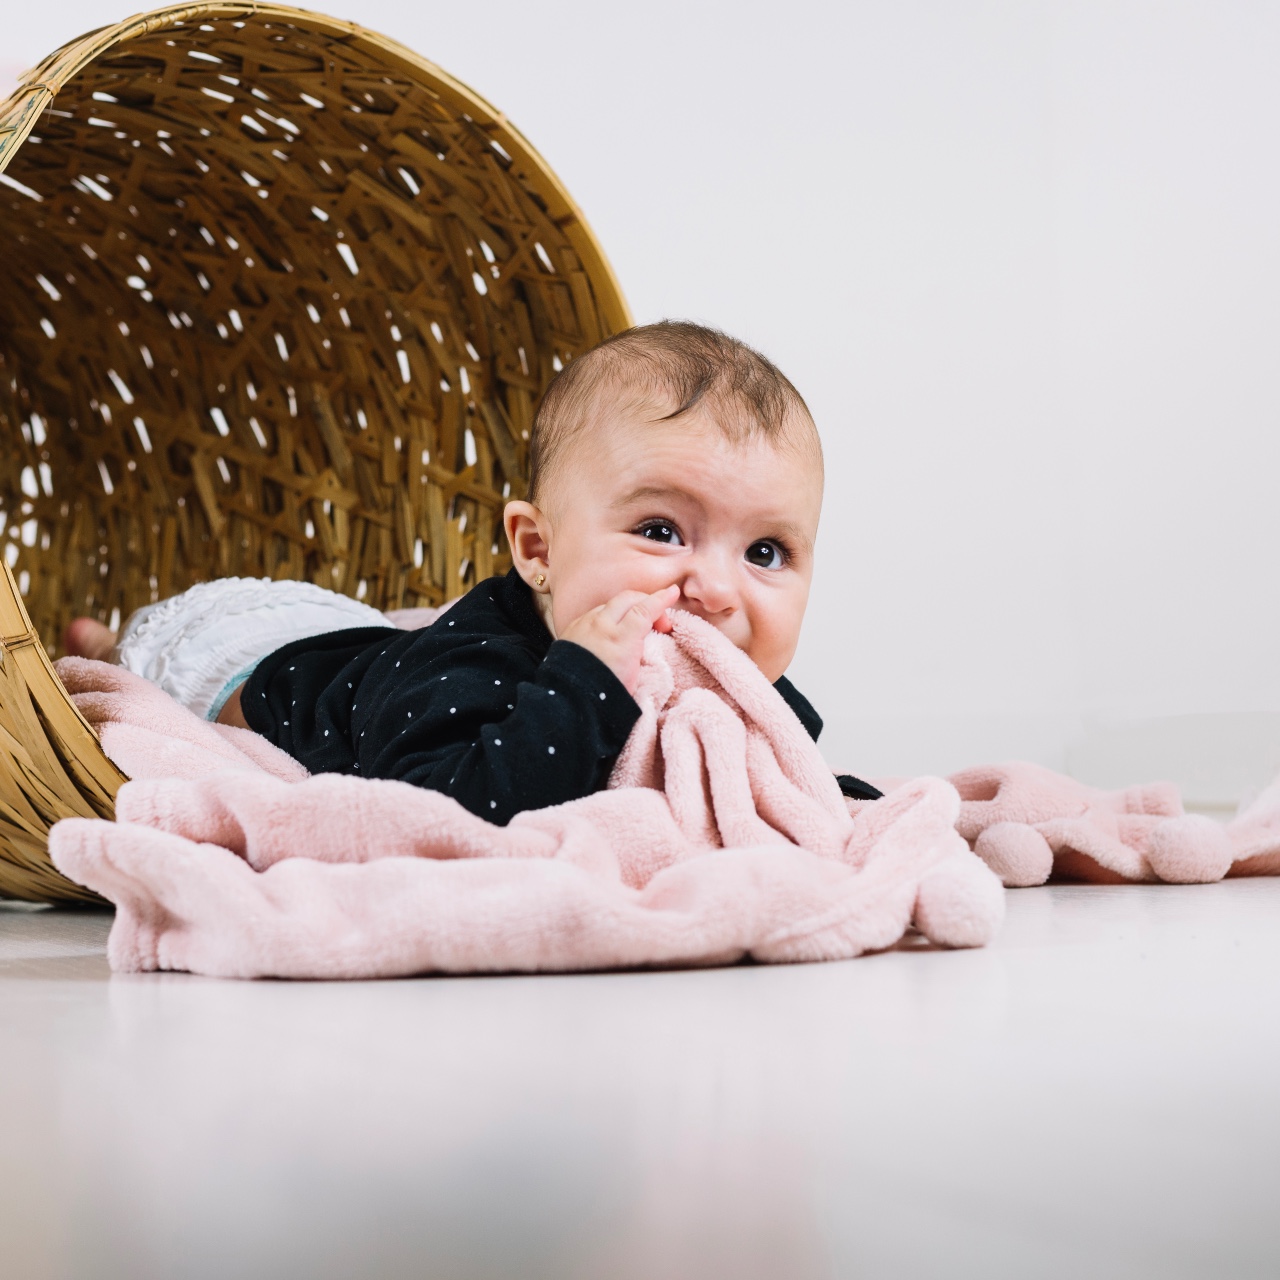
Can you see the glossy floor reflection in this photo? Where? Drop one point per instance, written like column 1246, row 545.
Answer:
column 1093, row 1096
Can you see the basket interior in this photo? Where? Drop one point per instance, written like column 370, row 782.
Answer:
column 278, row 299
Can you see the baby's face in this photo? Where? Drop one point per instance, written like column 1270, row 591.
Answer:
column 643, row 505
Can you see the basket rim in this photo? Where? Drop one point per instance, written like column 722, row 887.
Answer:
column 24, row 107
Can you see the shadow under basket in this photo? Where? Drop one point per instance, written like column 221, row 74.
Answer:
column 278, row 298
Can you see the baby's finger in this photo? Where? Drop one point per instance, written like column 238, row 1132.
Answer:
column 617, row 609
column 645, row 612
column 629, row 604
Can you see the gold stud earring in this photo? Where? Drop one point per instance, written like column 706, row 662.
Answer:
column 540, row 579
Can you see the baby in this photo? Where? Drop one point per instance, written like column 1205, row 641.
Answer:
column 671, row 467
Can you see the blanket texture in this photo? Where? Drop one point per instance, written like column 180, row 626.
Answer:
column 723, row 834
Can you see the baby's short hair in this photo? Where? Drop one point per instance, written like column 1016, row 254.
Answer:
column 673, row 365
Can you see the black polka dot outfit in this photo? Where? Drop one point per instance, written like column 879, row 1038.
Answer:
column 482, row 705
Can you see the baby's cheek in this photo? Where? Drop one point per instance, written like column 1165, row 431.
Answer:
column 571, row 600
column 597, row 583
column 773, row 644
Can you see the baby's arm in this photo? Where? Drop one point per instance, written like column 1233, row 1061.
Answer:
column 484, row 716
column 559, row 732
column 564, row 725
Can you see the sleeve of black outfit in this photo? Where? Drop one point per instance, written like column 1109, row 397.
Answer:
column 561, row 732
column 485, row 721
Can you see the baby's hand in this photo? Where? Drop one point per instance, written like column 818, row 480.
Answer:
column 615, row 631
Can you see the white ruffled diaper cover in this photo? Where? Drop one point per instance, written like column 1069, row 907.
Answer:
column 200, row 645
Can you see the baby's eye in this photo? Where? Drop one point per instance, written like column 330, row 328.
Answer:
column 661, row 531
column 766, row 555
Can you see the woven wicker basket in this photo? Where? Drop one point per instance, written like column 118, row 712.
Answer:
column 277, row 297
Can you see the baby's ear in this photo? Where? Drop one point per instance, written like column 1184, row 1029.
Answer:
column 527, row 534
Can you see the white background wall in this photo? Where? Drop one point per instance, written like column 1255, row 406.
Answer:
column 1023, row 259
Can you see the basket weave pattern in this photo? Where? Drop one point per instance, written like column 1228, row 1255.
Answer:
column 277, row 298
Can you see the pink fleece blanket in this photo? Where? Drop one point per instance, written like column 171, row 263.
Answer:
column 723, row 835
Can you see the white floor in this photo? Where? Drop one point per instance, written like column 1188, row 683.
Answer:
column 1097, row 1095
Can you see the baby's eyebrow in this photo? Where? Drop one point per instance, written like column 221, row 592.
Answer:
column 789, row 529
column 652, row 491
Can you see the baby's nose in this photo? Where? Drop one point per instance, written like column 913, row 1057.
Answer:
column 708, row 590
